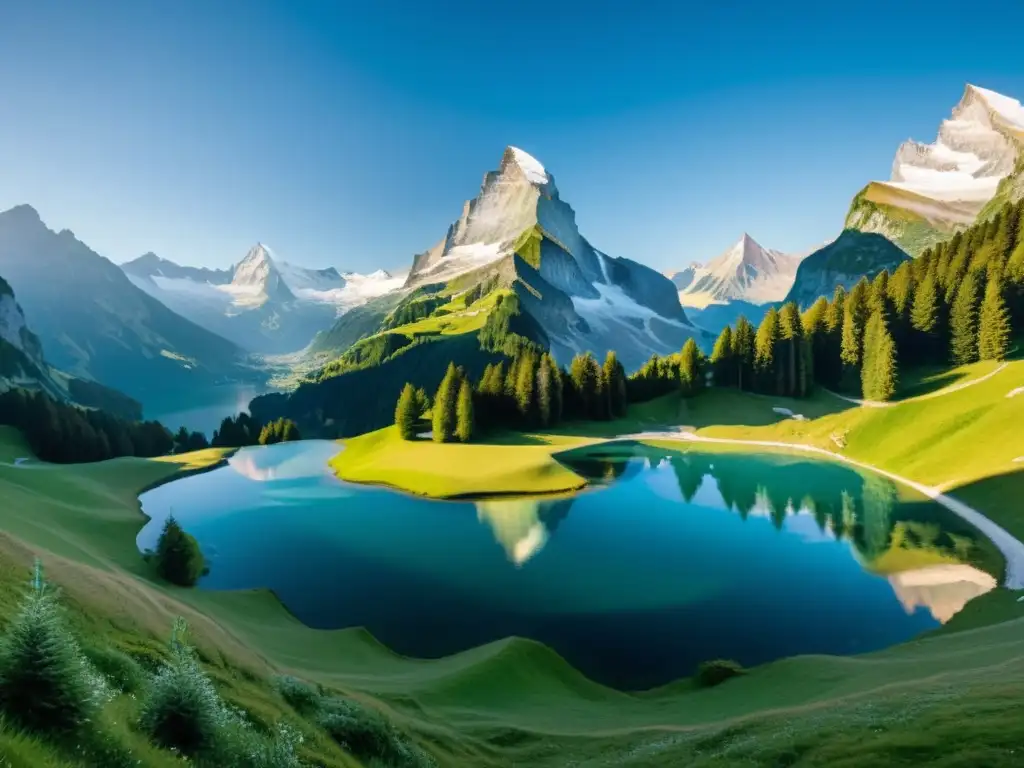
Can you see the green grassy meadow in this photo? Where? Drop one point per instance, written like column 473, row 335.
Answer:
column 951, row 698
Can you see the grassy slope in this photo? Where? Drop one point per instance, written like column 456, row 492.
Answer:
column 443, row 470
column 963, row 442
column 515, row 700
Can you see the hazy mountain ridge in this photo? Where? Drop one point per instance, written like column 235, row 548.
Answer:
column 263, row 304
column 94, row 323
column 845, row 261
column 746, row 272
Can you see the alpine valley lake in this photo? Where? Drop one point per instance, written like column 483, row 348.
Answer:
column 666, row 560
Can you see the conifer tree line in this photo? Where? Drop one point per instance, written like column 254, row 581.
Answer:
column 532, row 391
column 61, row 433
column 529, row 391
column 775, row 359
column 959, row 302
column 280, row 431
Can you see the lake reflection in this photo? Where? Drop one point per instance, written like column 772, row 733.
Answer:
column 671, row 559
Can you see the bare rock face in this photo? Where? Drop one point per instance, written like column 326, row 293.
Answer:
column 583, row 299
column 935, row 189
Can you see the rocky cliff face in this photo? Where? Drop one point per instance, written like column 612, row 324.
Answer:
column 21, row 353
column 519, row 231
column 972, row 167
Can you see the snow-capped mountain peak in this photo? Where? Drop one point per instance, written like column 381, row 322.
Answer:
column 746, row 271
column 530, row 166
column 939, row 187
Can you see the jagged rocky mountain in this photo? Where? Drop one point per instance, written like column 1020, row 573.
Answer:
column 519, row 234
column 973, row 166
column 94, row 324
column 24, row 366
column 744, row 280
column 263, row 304
column 513, row 267
column 745, row 272
column 845, row 261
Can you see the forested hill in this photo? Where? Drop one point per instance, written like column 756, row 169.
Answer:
column 960, row 301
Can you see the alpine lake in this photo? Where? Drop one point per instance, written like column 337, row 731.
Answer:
column 667, row 559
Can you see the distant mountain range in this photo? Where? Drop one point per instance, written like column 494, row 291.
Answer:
column 95, row 324
column 745, row 279
column 512, row 268
column 263, row 304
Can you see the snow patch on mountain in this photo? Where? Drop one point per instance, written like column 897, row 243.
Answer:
column 531, row 166
column 949, row 181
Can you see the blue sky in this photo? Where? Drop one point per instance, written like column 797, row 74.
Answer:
column 349, row 134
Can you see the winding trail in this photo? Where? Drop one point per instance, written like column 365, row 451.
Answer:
column 1011, row 548
column 937, row 393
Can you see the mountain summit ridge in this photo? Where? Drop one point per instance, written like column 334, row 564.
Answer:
column 973, row 166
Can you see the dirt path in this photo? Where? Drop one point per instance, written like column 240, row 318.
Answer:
column 937, row 393
column 1011, row 548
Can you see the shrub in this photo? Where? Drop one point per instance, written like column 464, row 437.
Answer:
column 712, row 673
column 120, row 669
column 181, row 709
column 303, row 697
column 178, row 557
column 46, row 684
column 368, row 735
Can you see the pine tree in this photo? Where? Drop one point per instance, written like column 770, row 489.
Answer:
column 46, row 684
column 765, row 358
column 878, row 372
column 444, row 406
column 545, row 391
column 464, row 413
column 614, row 377
column 557, row 390
column 994, row 331
column 964, row 322
column 178, row 558
column 525, row 380
column 405, row 413
column 854, row 316
column 723, row 361
column 585, row 374
column 743, row 349
column 689, row 368
column 924, row 317
column 792, row 359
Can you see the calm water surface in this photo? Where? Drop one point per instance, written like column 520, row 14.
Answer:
column 671, row 560
column 201, row 409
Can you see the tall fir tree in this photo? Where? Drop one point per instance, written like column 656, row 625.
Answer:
column 765, row 343
column 792, row 375
column 689, row 368
column 924, row 318
column 723, row 361
column 405, row 413
column 464, row 419
column 525, row 380
column 614, row 377
column 445, row 405
column 963, row 321
column 743, row 348
column 545, row 391
column 994, row 324
column 878, row 372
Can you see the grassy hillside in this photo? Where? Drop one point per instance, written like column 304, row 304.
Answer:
column 964, row 441
column 950, row 699
column 446, row 470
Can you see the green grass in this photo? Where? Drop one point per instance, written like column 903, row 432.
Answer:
column 509, row 465
column 964, row 442
column 951, row 698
